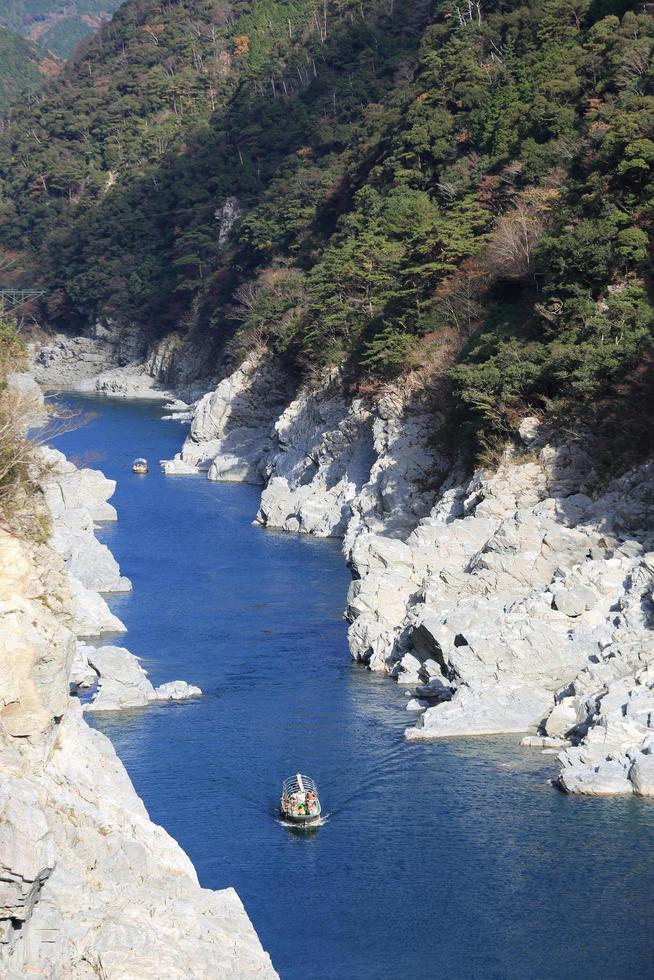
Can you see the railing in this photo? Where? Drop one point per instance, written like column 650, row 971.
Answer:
column 11, row 299
column 292, row 785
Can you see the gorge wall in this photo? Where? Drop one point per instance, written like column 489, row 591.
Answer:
column 89, row 885
column 514, row 600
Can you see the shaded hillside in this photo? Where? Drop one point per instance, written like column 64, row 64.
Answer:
column 23, row 67
column 465, row 194
column 56, row 25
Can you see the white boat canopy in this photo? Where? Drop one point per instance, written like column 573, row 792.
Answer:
column 298, row 784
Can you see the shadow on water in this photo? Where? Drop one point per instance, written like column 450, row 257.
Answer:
column 450, row 859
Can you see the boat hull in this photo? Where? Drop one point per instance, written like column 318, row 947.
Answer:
column 300, row 819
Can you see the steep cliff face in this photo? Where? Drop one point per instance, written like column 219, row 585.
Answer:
column 89, row 886
column 321, row 458
column 516, row 592
column 518, row 600
column 330, row 464
column 122, row 361
column 232, row 425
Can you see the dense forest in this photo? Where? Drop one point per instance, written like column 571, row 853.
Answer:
column 56, row 25
column 460, row 193
column 24, row 67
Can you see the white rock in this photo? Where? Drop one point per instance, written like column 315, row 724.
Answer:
column 89, row 886
column 177, row 467
column 484, row 711
column 526, row 598
column 89, row 561
column 82, row 675
column 77, row 499
column 70, row 492
column 573, row 602
column 642, row 774
column 564, row 716
column 322, row 461
column 605, row 778
column 122, row 681
column 544, row 742
column 27, row 849
column 231, row 429
column 90, row 614
column 408, row 669
column 175, row 691
column 417, row 704
column 68, row 361
column 124, row 684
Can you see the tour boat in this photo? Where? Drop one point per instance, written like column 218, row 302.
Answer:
column 140, row 465
column 299, row 802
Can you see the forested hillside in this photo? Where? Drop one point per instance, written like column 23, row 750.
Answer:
column 23, row 68
column 56, row 25
column 464, row 192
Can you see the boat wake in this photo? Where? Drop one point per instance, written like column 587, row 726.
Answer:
column 303, row 828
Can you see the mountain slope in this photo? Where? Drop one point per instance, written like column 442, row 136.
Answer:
column 189, row 100
column 466, row 196
column 23, row 67
column 56, row 25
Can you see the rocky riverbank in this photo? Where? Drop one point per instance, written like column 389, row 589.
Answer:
column 119, row 361
column 89, row 885
column 518, row 600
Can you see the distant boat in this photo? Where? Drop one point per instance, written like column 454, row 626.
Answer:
column 299, row 802
column 140, row 465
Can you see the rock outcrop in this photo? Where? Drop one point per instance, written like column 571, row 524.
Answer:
column 510, row 601
column 232, row 427
column 122, row 682
column 321, row 459
column 73, row 361
column 522, row 604
column 120, row 361
column 330, row 465
column 77, row 499
column 69, row 361
column 89, row 886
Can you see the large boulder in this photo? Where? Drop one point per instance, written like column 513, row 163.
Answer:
column 486, row 710
column 642, row 774
column 123, row 683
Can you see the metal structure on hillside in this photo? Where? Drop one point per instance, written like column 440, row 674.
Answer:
column 13, row 299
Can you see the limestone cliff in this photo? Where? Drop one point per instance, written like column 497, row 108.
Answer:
column 89, row 886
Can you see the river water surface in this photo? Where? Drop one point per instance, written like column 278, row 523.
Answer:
column 444, row 860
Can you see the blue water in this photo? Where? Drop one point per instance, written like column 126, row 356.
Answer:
column 444, row 860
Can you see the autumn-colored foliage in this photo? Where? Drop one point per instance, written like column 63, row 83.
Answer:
column 241, row 44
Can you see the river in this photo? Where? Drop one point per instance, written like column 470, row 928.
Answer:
column 453, row 859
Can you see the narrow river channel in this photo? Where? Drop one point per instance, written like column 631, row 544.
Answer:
column 447, row 860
